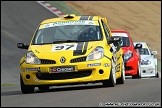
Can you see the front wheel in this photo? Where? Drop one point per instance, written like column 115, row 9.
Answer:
column 138, row 76
column 121, row 80
column 156, row 72
column 111, row 82
column 26, row 88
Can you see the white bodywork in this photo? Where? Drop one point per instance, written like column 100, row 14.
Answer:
column 148, row 66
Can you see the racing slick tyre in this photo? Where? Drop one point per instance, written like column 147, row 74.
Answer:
column 26, row 88
column 138, row 76
column 156, row 72
column 157, row 75
column 121, row 80
column 43, row 88
column 111, row 82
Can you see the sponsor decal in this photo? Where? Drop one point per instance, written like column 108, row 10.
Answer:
column 94, row 64
column 63, row 69
column 106, row 65
column 31, row 69
column 78, row 22
column 120, row 34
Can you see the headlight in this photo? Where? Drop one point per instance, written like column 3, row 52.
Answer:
column 31, row 58
column 97, row 53
column 128, row 55
column 145, row 62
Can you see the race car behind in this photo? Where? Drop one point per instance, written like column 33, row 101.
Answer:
column 148, row 61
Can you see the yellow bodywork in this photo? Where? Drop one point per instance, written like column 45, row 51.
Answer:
column 96, row 73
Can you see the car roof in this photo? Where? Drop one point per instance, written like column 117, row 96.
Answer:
column 119, row 31
column 140, row 42
column 144, row 44
column 71, row 17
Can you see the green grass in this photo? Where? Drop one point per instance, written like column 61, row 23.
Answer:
column 159, row 66
column 4, row 85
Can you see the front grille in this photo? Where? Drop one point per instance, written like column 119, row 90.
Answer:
column 43, row 61
column 61, row 76
column 81, row 59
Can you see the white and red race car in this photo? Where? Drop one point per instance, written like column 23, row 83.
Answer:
column 148, row 65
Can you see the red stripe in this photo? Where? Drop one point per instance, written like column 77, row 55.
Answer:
column 49, row 6
column 54, row 10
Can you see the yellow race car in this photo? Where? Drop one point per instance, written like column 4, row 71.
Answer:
column 71, row 50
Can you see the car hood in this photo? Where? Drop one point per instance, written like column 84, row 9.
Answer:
column 68, row 50
column 125, row 49
column 146, row 57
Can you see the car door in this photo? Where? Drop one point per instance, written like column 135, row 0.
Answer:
column 115, row 48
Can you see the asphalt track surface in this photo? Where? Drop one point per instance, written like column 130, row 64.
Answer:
column 19, row 20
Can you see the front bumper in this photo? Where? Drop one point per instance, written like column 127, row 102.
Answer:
column 131, row 67
column 148, row 71
column 83, row 73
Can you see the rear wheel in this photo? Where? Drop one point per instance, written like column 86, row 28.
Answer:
column 138, row 76
column 121, row 80
column 26, row 88
column 111, row 82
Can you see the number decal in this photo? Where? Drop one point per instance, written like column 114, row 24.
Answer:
column 59, row 47
column 69, row 46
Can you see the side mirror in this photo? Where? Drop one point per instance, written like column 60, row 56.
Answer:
column 154, row 52
column 138, row 45
column 22, row 46
column 114, row 39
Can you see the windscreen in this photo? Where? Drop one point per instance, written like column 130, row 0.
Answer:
column 124, row 42
column 143, row 51
column 73, row 31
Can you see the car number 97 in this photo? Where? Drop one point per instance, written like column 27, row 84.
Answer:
column 58, row 47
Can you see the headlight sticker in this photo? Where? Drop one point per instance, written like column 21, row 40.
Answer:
column 94, row 64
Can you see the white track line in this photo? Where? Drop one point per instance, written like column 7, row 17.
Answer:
column 50, row 8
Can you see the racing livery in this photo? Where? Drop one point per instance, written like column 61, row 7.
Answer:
column 71, row 50
column 131, row 54
column 148, row 60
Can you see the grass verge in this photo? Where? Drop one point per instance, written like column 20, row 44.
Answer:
column 4, row 85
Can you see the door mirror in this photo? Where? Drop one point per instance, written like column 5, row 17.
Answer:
column 113, row 39
column 138, row 45
column 154, row 52
column 22, row 46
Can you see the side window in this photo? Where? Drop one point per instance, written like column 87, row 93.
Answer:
column 107, row 32
column 105, row 29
